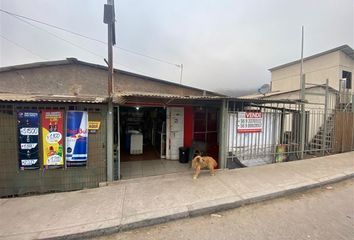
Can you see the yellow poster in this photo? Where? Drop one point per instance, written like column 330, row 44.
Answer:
column 52, row 138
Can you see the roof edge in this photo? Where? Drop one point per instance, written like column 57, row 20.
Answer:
column 344, row 48
column 73, row 60
column 278, row 92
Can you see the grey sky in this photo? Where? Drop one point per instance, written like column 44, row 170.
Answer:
column 222, row 44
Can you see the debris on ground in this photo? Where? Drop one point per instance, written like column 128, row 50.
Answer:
column 215, row 215
column 329, row 187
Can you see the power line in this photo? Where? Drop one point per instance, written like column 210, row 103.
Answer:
column 89, row 38
column 75, row 45
column 63, row 39
column 18, row 17
column 53, row 26
column 19, row 46
column 143, row 55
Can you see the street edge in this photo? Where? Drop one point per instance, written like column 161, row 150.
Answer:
column 194, row 212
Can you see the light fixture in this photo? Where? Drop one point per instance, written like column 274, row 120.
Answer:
column 137, row 108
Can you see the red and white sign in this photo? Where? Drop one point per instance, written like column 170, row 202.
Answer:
column 249, row 122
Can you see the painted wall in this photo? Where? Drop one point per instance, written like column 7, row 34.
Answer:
column 317, row 70
column 188, row 126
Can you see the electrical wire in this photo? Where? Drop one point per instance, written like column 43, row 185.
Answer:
column 19, row 46
column 18, row 17
column 90, row 38
column 147, row 56
column 75, row 45
column 53, row 26
column 63, row 39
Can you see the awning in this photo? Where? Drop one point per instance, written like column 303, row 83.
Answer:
column 160, row 99
column 135, row 99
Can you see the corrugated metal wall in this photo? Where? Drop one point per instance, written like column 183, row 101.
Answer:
column 18, row 182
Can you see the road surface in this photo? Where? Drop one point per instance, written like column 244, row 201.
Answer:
column 324, row 213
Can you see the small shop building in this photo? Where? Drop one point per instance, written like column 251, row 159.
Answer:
column 153, row 119
column 53, row 127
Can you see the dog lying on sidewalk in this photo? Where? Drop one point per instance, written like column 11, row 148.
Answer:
column 200, row 162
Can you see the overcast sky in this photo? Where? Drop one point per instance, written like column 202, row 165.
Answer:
column 223, row 44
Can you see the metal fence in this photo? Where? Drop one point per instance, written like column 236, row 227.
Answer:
column 276, row 134
column 14, row 181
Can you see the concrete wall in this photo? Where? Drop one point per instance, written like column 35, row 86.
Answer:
column 346, row 64
column 136, row 84
column 317, row 70
column 14, row 181
column 75, row 79
column 59, row 80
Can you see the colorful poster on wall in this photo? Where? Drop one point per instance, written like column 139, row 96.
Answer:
column 249, row 122
column 28, row 130
column 76, row 138
column 94, row 126
column 52, row 138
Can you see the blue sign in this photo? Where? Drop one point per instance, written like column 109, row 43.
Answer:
column 76, row 138
column 28, row 131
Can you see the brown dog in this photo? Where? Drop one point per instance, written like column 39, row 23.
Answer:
column 200, row 162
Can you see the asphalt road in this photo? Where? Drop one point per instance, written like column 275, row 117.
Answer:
column 324, row 213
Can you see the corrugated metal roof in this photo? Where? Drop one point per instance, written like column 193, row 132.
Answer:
column 12, row 97
column 149, row 98
column 169, row 99
column 163, row 95
column 276, row 93
column 133, row 98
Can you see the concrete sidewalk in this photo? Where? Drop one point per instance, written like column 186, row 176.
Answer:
column 145, row 201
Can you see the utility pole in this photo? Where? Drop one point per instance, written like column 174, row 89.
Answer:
column 180, row 79
column 109, row 19
column 302, row 97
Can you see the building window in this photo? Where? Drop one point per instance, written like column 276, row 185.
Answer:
column 348, row 77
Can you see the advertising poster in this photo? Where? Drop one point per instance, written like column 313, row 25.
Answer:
column 52, row 138
column 76, row 138
column 249, row 122
column 94, row 126
column 28, row 130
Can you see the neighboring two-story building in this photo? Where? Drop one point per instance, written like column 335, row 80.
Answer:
column 336, row 65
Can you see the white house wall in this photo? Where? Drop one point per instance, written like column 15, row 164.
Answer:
column 317, row 70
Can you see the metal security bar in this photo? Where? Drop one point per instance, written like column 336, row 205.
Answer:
column 276, row 134
column 16, row 182
column 277, row 124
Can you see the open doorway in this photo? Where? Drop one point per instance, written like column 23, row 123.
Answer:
column 143, row 143
column 142, row 133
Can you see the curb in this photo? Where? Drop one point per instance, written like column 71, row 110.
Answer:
column 195, row 210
